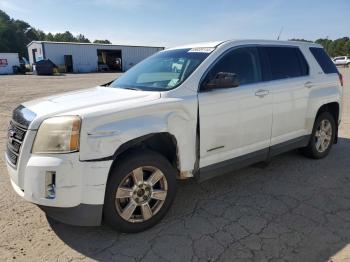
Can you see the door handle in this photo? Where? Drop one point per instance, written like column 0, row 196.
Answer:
column 262, row 93
column 309, row 84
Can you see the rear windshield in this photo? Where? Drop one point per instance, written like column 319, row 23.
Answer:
column 323, row 60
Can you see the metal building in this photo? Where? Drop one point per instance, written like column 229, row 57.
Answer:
column 7, row 62
column 86, row 57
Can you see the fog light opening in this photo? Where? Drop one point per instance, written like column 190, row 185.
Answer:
column 50, row 185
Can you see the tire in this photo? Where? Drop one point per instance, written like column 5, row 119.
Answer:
column 314, row 150
column 148, row 211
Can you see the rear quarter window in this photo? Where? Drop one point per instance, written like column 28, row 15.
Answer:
column 323, row 60
column 286, row 62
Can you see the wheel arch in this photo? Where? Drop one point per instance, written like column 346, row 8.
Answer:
column 334, row 109
column 163, row 143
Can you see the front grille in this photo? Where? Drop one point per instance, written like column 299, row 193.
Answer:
column 15, row 137
column 21, row 119
column 18, row 133
column 12, row 157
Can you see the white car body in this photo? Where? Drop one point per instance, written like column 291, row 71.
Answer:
column 259, row 120
column 341, row 60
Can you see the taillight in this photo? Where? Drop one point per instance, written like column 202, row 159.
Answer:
column 341, row 79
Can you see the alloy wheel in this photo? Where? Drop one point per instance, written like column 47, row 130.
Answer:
column 141, row 194
column 323, row 135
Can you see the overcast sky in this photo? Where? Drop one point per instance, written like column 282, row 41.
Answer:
column 173, row 22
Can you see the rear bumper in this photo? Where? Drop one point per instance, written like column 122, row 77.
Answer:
column 81, row 215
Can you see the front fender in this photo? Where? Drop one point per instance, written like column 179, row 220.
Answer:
column 101, row 141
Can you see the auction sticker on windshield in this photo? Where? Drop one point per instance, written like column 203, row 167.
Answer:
column 201, row 50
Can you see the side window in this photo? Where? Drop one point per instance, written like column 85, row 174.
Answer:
column 244, row 62
column 323, row 60
column 286, row 62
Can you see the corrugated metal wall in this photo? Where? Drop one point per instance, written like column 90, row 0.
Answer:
column 132, row 55
column 85, row 55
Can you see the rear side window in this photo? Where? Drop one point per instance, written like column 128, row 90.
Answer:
column 323, row 60
column 285, row 62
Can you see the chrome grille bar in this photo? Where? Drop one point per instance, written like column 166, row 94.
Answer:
column 15, row 137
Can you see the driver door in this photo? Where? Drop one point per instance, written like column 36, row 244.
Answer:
column 235, row 122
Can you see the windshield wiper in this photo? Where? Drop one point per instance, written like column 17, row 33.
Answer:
column 132, row 88
column 107, row 84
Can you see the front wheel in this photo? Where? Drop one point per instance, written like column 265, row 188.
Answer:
column 322, row 137
column 139, row 192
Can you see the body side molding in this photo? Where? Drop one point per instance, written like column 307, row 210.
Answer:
column 236, row 163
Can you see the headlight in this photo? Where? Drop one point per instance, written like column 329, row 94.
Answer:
column 58, row 135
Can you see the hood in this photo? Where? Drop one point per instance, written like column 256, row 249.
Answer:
column 86, row 98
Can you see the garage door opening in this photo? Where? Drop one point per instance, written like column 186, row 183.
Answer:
column 109, row 60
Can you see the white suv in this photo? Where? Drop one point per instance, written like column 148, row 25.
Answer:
column 342, row 60
column 197, row 111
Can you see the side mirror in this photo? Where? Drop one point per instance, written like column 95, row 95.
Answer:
column 222, row 80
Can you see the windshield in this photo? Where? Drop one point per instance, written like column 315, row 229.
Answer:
column 162, row 71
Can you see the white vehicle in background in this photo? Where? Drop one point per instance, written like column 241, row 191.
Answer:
column 342, row 61
column 116, row 150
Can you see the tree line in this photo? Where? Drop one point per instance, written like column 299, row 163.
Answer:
column 338, row 47
column 16, row 34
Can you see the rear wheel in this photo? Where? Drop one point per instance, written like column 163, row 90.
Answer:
column 139, row 192
column 322, row 137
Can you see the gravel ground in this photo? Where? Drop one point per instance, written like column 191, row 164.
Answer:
column 295, row 209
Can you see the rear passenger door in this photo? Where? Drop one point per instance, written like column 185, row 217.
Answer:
column 287, row 72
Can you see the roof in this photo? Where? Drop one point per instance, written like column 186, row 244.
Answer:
column 245, row 42
column 200, row 44
column 274, row 42
column 93, row 44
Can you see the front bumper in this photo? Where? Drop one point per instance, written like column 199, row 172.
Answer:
column 81, row 215
column 79, row 186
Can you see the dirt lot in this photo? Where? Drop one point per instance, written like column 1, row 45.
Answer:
column 296, row 209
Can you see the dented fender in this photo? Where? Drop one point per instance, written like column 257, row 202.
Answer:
column 102, row 136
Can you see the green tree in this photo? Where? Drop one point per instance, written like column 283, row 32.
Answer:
column 15, row 35
column 49, row 37
column 4, row 18
column 82, row 39
column 102, row 41
column 300, row 40
column 338, row 47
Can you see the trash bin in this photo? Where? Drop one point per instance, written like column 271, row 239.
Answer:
column 15, row 69
column 44, row 67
